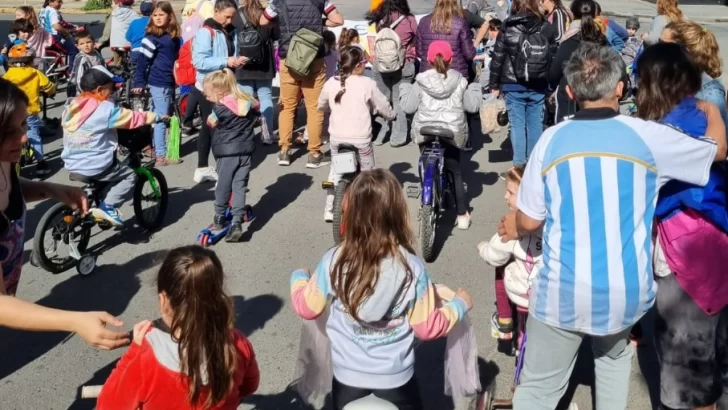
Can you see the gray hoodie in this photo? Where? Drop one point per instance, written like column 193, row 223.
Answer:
column 442, row 101
column 121, row 18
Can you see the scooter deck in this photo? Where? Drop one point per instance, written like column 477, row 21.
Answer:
column 212, row 235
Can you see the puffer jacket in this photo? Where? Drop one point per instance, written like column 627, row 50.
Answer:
column 460, row 39
column 232, row 122
column 502, row 73
column 441, row 101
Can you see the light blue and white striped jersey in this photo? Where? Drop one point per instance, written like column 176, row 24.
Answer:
column 594, row 181
column 47, row 17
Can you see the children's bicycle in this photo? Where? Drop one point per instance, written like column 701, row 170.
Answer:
column 61, row 225
column 435, row 186
column 345, row 163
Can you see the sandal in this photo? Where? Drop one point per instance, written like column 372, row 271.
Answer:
column 163, row 162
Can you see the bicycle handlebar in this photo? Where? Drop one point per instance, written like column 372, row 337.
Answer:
column 91, row 392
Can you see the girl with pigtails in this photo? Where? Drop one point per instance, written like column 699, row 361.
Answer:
column 350, row 97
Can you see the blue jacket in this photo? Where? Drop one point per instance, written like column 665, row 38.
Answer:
column 713, row 92
column 210, row 54
column 614, row 40
column 157, row 57
column 618, row 30
column 136, row 32
column 710, row 200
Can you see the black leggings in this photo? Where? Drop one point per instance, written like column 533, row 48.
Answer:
column 203, row 138
column 406, row 397
column 189, row 114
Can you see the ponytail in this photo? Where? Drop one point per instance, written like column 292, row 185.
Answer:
column 590, row 30
column 46, row 3
column 223, row 81
column 349, row 58
column 191, row 278
column 440, row 65
column 346, row 36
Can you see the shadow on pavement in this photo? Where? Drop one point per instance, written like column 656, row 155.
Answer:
column 110, row 289
column 287, row 399
column 182, row 199
column 251, row 314
column 504, row 154
column 399, row 169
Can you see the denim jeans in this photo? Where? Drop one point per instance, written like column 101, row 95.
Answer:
column 525, row 113
column 34, row 124
column 263, row 91
column 161, row 103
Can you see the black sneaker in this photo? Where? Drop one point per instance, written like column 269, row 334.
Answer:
column 42, row 169
column 218, row 222
column 235, row 233
column 316, row 160
column 468, row 146
column 284, row 158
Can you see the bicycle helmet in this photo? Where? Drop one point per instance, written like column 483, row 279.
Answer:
column 21, row 54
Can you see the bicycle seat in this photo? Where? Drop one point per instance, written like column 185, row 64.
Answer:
column 124, row 49
column 85, row 179
column 347, row 148
column 436, row 132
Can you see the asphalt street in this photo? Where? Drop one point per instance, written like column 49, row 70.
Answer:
column 46, row 370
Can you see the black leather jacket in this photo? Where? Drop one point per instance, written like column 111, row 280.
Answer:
column 506, row 48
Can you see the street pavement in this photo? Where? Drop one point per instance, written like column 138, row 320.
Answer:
column 46, row 370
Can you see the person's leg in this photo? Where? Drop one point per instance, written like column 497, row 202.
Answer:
column 203, row 171
column 341, row 394
column 534, row 120
column 385, row 87
column 290, row 88
column 34, row 138
column 334, row 178
column 548, row 362
column 226, row 167
column 612, row 366
column 452, row 164
column 161, row 101
column 399, row 125
column 406, row 397
column 311, row 88
column 121, row 180
column 516, row 107
column 504, row 313
column 366, row 156
column 239, row 186
column 191, row 108
column 265, row 96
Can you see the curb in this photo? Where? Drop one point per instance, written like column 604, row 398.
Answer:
column 648, row 18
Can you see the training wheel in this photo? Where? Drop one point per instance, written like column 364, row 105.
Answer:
column 86, row 265
column 203, row 240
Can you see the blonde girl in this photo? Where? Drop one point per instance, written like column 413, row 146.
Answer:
column 667, row 12
column 40, row 39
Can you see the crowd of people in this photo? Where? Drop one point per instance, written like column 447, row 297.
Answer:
column 610, row 215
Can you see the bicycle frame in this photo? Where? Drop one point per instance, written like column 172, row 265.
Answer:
column 144, row 172
column 431, row 172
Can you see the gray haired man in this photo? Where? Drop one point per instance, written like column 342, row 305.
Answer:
column 592, row 183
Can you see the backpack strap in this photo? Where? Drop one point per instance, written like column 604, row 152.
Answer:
column 396, row 22
column 243, row 17
column 199, row 4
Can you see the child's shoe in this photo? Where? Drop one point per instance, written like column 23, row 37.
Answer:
column 163, row 162
column 218, row 222
column 235, row 233
column 329, row 208
column 205, row 174
column 464, row 221
column 42, row 169
column 108, row 213
column 501, row 328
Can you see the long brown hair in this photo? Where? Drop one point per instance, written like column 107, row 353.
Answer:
column 172, row 25
column 445, row 10
column 349, row 58
column 253, row 11
column 377, row 224
column 669, row 9
column 191, row 277
column 526, row 6
column 346, row 36
column 30, row 16
column 701, row 44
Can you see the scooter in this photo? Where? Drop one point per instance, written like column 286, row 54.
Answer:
column 210, row 235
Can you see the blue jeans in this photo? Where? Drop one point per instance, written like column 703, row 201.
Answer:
column 263, row 91
column 525, row 113
column 34, row 124
column 161, row 103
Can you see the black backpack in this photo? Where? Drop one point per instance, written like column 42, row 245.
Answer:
column 533, row 57
column 250, row 43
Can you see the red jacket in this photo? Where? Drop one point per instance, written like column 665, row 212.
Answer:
column 148, row 377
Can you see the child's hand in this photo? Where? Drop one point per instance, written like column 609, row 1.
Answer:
column 137, row 90
column 140, row 330
column 4, row 50
column 462, row 294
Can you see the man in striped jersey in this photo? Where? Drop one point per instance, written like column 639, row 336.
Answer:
column 592, row 182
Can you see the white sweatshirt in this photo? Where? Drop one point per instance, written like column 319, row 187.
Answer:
column 526, row 253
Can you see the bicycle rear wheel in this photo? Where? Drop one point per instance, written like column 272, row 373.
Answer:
column 53, row 230
column 150, row 190
column 337, row 225
column 428, row 227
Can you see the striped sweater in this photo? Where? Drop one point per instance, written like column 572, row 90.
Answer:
column 377, row 351
column 156, row 61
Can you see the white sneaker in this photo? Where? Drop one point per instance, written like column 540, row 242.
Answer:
column 328, row 216
column 205, row 174
column 464, row 221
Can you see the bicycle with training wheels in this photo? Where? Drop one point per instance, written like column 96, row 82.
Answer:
column 435, row 188
column 345, row 163
column 62, row 226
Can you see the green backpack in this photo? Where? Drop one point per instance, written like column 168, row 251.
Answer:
column 303, row 47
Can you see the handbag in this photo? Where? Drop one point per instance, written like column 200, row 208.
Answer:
column 304, row 46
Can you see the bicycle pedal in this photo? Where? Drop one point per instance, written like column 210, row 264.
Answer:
column 327, row 185
column 413, row 191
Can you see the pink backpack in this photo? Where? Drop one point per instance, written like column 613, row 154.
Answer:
column 193, row 23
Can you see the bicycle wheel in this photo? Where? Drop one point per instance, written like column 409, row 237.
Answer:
column 54, row 230
column 428, row 226
column 145, row 193
column 337, row 225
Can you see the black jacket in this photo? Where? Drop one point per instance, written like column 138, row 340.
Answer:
column 506, row 48
column 264, row 70
column 232, row 131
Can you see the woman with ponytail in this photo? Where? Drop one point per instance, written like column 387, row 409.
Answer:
column 191, row 358
column 350, row 97
column 667, row 12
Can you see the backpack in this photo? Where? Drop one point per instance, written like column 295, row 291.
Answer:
column 193, row 23
column 250, row 44
column 533, row 57
column 304, row 46
column 183, row 70
column 388, row 51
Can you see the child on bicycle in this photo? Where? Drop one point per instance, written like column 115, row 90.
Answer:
column 90, row 140
column 87, row 57
column 39, row 39
column 33, row 82
column 20, row 32
column 232, row 122
column 159, row 51
column 138, row 29
column 191, row 358
column 121, row 17
column 519, row 257
column 440, row 97
column 351, row 97
column 52, row 21
column 381, row 297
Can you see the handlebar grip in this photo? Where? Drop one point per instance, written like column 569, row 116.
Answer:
column 91, row 392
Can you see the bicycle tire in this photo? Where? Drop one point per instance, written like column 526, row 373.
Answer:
column 156, row 222
column 38, row 242
column 428, row 227
column 339, row 192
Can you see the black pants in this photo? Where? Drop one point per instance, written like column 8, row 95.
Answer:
column 205, row 135
column 189, row 114
column 406, row 397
